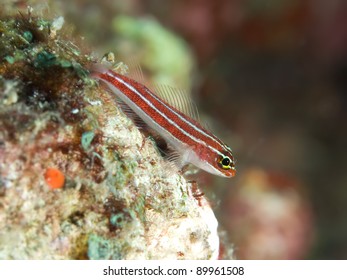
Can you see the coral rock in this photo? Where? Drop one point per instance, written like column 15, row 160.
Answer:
column 118, row 200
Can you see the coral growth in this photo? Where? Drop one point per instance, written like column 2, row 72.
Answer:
column 78, row 180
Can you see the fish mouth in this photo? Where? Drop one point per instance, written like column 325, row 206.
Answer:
column 231, row 173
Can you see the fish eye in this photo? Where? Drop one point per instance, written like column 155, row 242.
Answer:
column 225, row 162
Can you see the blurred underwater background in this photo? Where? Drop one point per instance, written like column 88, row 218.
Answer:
column 270, row 79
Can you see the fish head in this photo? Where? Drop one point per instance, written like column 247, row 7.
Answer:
column 219, row 162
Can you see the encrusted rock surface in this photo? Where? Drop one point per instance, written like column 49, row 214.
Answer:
column 118, row 200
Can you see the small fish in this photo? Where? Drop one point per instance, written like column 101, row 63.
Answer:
column 192, row 143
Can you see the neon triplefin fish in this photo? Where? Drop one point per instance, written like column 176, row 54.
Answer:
column 191, row 142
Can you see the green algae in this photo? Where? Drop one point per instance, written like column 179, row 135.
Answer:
column 28, row 36
column 86, row 139
column 100, row 248
column 166, row 55
column 45, row 59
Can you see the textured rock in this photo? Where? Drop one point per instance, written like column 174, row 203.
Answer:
column 119, row 200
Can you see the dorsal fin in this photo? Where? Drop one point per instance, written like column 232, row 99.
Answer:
column 135, row 72
column 174, row 97
column 177, row 99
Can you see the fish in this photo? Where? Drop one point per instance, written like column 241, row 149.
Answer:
column 190, row 141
